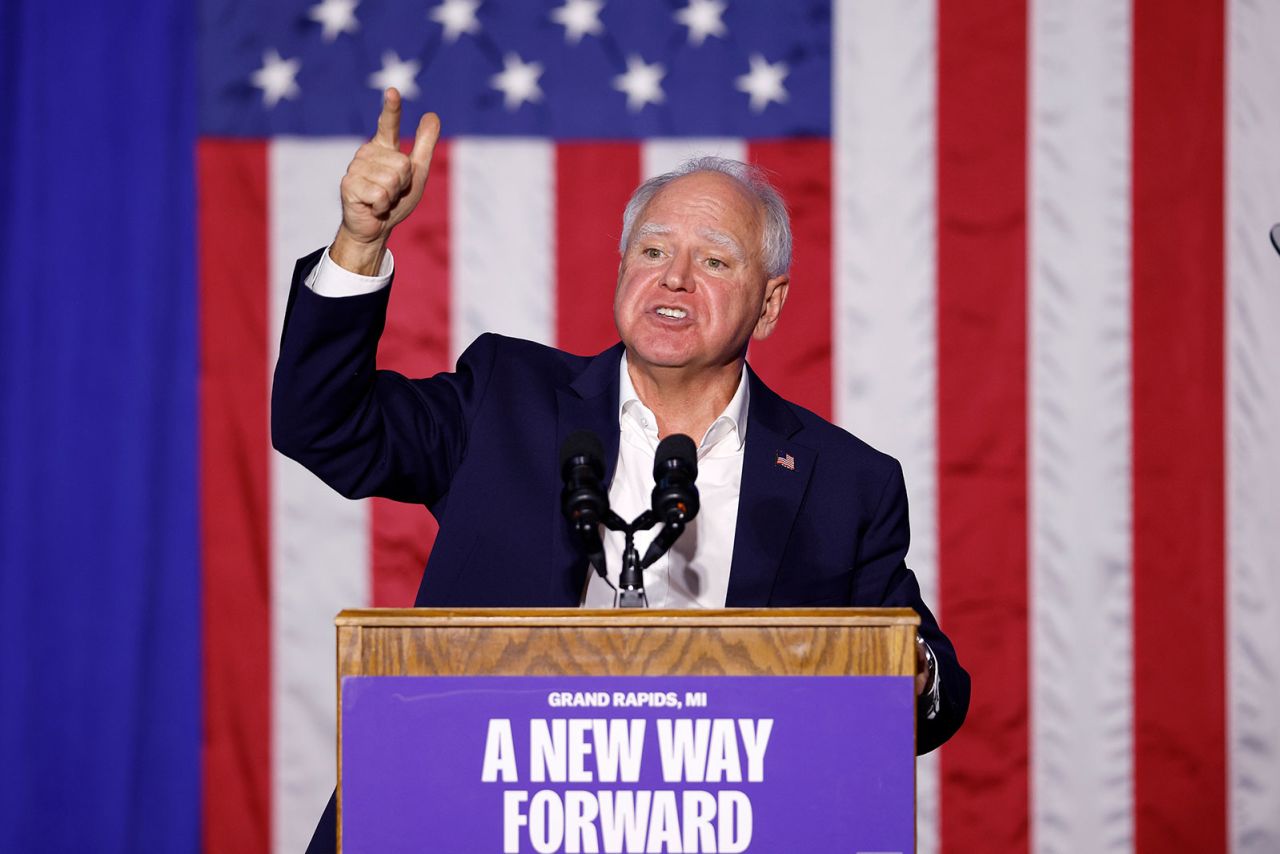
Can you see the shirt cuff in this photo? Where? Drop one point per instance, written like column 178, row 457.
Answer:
column 328, row 279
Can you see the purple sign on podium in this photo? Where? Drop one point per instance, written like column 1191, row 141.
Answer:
column 460, row 764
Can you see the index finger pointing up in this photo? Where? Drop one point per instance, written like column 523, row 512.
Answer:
column 389, row 120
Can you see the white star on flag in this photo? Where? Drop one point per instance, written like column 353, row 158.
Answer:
column 518, row 81
column 397, row 72
column 336, row 17
column 457, row 17
column 642, row 83
column 764, row 82
column 702, row 17
column 277, row 78
column 579, row 18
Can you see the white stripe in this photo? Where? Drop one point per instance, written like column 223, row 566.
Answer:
column 1253, row 425
column 884, row 270
column 502, row 229
column 1080, row 457
column 319, row 540
column 658, row 156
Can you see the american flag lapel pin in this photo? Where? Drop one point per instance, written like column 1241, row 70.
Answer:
column 787, row 461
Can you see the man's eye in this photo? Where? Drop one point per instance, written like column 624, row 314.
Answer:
column 715, row 263
column 651, row 252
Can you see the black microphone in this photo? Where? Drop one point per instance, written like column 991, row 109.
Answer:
column 583, row 500
column 1275, row 236
column 675, row 498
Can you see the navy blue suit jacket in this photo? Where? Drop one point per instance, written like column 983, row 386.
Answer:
column 480, row 446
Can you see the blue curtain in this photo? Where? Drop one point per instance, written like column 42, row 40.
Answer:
column 99, row 556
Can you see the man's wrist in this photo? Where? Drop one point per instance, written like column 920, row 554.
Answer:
column 356, row 256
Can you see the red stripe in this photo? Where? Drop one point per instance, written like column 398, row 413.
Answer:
column 593, row 182
column 1178, row 433
column 796, row 359
column 232, row 219
column 415, row 343
column 982, row 413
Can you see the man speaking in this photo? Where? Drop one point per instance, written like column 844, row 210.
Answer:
column 795, row 511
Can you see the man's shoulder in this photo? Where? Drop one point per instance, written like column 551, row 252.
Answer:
column 520, row 357
column 837, row 437
column 835, row 442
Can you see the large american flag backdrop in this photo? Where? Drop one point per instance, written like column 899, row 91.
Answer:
column 1031, row 264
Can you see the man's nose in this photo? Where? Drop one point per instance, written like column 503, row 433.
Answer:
column 676, row 276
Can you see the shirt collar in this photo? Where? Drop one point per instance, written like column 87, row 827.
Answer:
column 730, row 425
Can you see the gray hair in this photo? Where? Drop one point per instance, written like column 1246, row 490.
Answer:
column 776, row 242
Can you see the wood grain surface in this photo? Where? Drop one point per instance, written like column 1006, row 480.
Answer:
column 831, row 642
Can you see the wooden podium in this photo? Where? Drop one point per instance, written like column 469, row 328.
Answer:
column 614, row 643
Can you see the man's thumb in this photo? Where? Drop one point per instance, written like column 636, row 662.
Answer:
column 424, row 141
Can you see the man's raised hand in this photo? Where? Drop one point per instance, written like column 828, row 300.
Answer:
column 382, row 187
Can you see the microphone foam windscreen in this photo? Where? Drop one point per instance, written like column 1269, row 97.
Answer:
column 582, row 443
column 679, row 447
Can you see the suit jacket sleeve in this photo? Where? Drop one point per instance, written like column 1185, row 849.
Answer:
column 884, row 579
column 362, row 431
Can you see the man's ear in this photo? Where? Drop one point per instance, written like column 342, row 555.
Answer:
column 775, row 295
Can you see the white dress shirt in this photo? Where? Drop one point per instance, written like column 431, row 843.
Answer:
column 694, row 573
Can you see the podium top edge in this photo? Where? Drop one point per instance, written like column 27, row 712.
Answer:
column 583, row 617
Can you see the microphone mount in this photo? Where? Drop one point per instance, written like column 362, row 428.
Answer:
column 631, row 577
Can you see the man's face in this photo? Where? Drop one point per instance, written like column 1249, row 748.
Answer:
column 692, row 288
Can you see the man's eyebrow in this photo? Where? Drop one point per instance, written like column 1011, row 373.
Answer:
column 651, row 228
column 711, row 235
column 723, row 240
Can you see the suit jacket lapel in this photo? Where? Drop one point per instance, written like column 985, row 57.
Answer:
column 775, row 474
column 589, row 403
